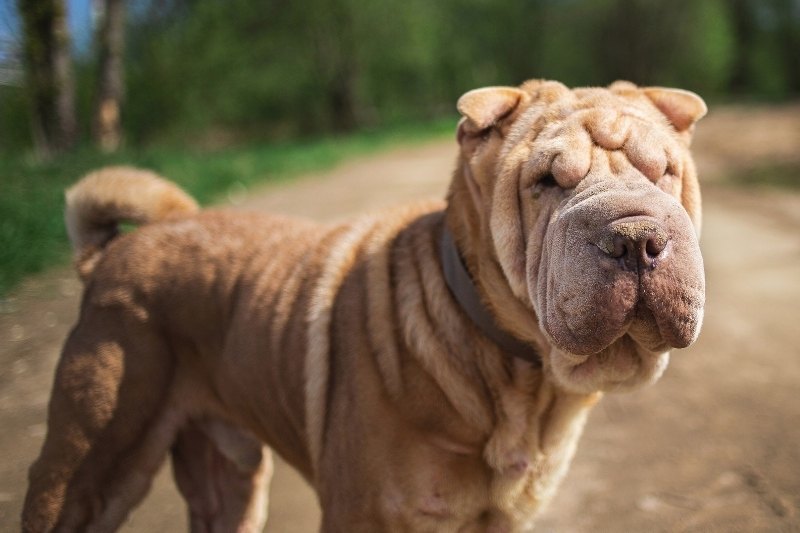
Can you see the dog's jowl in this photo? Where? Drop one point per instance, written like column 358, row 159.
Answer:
column 426, row 369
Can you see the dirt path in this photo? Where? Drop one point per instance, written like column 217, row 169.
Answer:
column 715, row 446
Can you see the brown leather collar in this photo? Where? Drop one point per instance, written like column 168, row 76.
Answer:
column 466, row 294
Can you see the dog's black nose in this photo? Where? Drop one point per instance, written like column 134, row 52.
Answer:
column 634, row 242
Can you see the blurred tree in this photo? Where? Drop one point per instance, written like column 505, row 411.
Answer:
column 106, row 127
column 767, row 40
column 682, row 42
column 744, row 23
column 788, row 36
column 13, row 105
column 332, row 32
column 220, row 71
column 49, row 76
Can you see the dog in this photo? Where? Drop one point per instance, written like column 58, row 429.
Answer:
column 429, row 368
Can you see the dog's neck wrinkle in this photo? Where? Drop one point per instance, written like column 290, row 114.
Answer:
column 479, row 365
column 471, row 232
column 463, row 216
column 466, row 294
column 518, row 424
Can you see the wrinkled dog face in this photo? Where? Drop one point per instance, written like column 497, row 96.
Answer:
column 594, row 217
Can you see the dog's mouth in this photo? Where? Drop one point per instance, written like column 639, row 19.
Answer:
column 645, row 332
column 618, row 353
column 623, row 365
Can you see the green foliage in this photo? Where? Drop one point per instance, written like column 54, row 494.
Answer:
column 707, row 48
column 221, row 72
column 768, row 80
column 774, row 175
column 15, row 133
column 679, row 43
column 31, row 203
column 276, row 69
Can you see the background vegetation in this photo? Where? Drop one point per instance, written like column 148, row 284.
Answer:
column 225, row 71
column 219, row 92
column 31, row 204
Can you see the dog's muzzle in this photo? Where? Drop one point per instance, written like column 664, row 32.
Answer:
column 616, row 252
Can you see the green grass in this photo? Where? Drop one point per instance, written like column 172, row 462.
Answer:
column 32, row 234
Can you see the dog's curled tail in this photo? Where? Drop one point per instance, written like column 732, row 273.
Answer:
column 101, row 200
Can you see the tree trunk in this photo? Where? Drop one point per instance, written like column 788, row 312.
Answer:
column 342, row 99
column 106, row 125
column 789, row 42
column 49, row 75
column 744, row 25
column 333, row 36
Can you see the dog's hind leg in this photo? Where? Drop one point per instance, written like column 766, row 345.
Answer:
column 109, row 425
column 223, row 474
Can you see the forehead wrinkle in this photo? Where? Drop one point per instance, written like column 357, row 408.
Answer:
column 618, row 163
column 600, row 161
column 526, row 127
column 634, row 136
column 646, row 145
column 607, row 128
column 646, row 150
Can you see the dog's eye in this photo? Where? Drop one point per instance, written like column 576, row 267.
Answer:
column 547, row 181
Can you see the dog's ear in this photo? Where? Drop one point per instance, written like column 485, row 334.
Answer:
column 486, row 107
column 682, row 108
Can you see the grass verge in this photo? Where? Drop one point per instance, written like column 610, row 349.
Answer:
column 31, row 193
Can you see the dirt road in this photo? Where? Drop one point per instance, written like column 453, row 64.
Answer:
column 715, row 446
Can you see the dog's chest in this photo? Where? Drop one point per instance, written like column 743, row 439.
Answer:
column 526, row 482
column 500, row 489
column 529, row 456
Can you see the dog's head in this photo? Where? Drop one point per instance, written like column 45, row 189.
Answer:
column 589, row 201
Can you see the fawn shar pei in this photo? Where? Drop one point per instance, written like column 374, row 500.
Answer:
column 427, row 369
